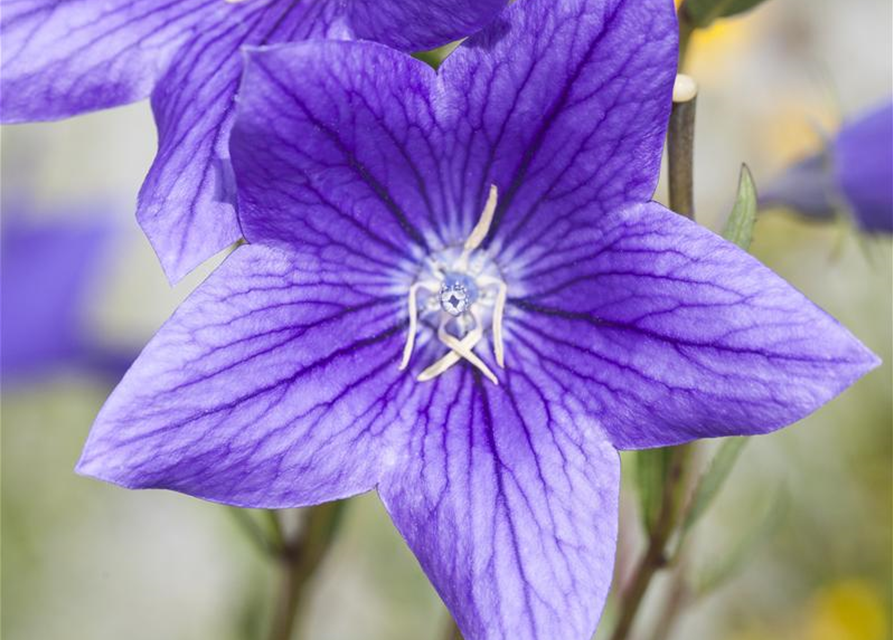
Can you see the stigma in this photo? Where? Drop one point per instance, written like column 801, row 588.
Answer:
column 458, row 292
column 461, row 290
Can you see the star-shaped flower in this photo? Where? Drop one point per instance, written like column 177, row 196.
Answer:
column 458, row 293
column 853, row 176
column 65, row 58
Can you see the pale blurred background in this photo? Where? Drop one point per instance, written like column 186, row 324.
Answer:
column 86, row 561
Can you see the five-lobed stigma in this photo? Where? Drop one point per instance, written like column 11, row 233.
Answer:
column 460, row 289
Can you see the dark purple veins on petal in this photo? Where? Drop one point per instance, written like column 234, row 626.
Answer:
column 266, row 374
column 327, row 148
column 679, row 334
column 510, row 504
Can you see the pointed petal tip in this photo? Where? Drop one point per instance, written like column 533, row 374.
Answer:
column 869, row 360
column 96, row 468
column 181, row 251
column 737, row 351
column 856, row 357
column 85, row 468
column 92, row 466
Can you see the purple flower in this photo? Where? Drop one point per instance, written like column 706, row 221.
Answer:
column 47, row 280
column 65, row 58
column 854, row 175
column 458, row 293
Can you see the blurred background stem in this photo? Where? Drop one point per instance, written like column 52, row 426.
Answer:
column 452, row 630
column 675, row 491
column 678, row 597
column 686, row 31
column 297, row 557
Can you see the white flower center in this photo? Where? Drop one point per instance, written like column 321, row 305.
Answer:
column 461, row 286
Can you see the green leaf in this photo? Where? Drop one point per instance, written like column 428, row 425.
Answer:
column 712, row 480
column 703, row 12
column 761, row 529
column 739, row 227
column 257, row 533
column 652, row 467
column 435, row 57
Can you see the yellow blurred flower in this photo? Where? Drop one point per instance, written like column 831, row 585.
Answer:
column 852, row 609
column 751, row 634
column 795, row 128
column 848, row 610
column 711, row 50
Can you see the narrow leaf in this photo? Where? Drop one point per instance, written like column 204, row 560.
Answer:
column 652, row 467
column 761, row 529
column 712, row 480
column 256, row 532
column 739, row 228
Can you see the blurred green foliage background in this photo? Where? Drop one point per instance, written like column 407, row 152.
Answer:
column 86, row 561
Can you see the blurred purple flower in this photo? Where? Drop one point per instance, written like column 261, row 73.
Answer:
column 65, row 58
column 458, row 292
column 47, row 285
column 854, row 174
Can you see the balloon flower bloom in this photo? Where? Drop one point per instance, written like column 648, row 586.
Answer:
column 457, row 291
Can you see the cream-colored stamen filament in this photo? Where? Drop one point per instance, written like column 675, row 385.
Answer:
column 414, row 319
column 460, row 349
column 498, row 312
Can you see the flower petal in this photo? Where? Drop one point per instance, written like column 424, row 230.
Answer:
column 678, row 334
column 509, row 500
column 186, row 203
column 274, row 385
column 335, row 143
column 806, row 186
column 413, row 25
column 65, row 58
column 564, row 106
column 863, row 162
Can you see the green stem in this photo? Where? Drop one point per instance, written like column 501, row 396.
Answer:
column 274, row 526
column 253, row 531
column 677, row 599
column 655, row 559
column 301, row 555
column 680, row 155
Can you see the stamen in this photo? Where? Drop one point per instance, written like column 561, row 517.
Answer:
column 482, row 228
column 451, row 357
column 459, row 349
column 466, row 351
column 413, row 320
column 498, row 313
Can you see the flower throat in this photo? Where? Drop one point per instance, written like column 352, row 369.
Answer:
column 462, row 287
